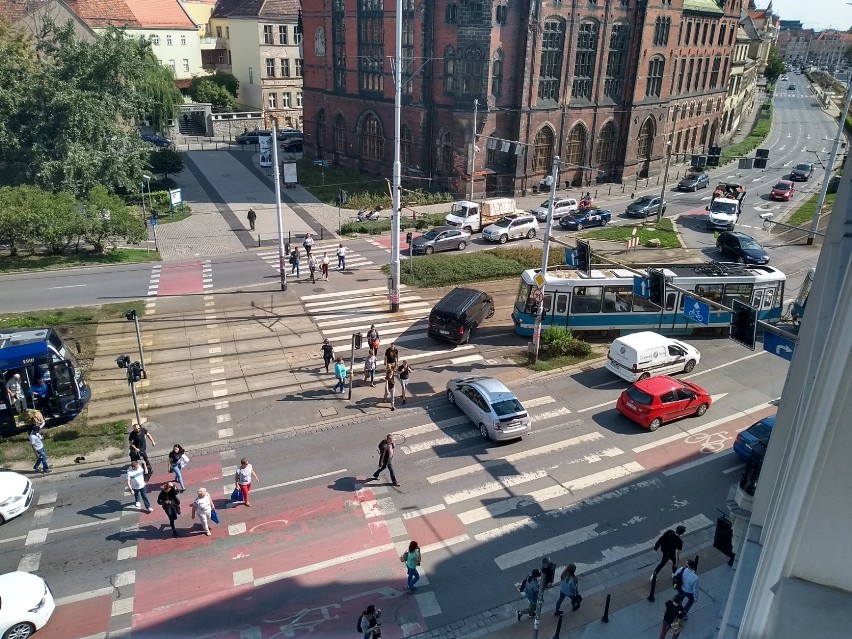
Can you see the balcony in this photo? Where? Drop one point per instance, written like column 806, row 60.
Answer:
column 210, row 44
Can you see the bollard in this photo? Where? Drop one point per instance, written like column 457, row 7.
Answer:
column 289, row 237
column 258, row 239
column 653, row 588
column 596, row 193
column 610, row 190
column 696, row 564
column 322, row 229
column 605, row 618
column 558, row 627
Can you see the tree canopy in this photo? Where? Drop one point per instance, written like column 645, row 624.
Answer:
column 227, row 81
column 774, row 65
column 206, row 91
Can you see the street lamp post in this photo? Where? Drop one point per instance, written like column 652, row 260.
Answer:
column 473, row 151
column 282, row 271
column 545, row 256
column 668, row 163
column 394, row 282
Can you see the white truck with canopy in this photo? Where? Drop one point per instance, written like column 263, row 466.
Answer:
column 474, row 216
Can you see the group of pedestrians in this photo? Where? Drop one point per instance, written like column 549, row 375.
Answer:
column 370, row 620
column 315, row 264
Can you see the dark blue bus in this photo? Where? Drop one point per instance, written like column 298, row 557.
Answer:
column 38, row 371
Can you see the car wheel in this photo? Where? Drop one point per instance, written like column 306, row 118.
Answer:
column 694, row 188
column 644, row 376
column 484, row 432
column 468, row 229
column 701, row 410
column 740, row 260
column 2, row 520
column 462, row 246
column 490, row 313
column 504, row 238
column 654, row 425
column 604, row 221
column 689, row 366
column 531, row 234
column 451, row 397
column 20, row 630
column 429, row 250
column 579, row 227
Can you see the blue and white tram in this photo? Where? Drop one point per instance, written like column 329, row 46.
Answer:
column 605, row 302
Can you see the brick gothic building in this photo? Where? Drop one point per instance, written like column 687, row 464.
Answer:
column 601, row 83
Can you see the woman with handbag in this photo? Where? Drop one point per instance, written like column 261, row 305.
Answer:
column 242, row 479
column 412, row 561
column 673, row 617
column 168, row 499
column 202, row 508
column 370, row 368
column 177, row 460
column 568, row 588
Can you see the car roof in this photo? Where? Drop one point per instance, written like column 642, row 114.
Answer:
column 490, row 385
column 806, row 165
column 659, row 385
column 787, row 182
column 737, row 234
column 440, row 229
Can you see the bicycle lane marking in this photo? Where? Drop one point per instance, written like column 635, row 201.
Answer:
column 685, row 447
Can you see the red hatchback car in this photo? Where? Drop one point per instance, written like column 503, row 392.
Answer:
column 655, row 400
column 782, row 191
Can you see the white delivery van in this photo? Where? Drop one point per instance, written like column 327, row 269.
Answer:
column 642, row 355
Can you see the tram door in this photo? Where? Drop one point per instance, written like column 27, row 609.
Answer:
column 64, row 387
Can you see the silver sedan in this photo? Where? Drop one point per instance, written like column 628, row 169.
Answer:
column 491, row 406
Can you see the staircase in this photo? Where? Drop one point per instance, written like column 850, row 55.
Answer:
column 190, row 126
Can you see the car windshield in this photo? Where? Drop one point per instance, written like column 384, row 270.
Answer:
column 545, row 204
column 579, row 215
column 803, row 167
column 638, row 396
column 727, row 208
column 749, row 243
column 643, row 201
column 692, row 178
column 507, row 407
column 506, row 221
column 781, row 186
column 430, row 235
column 760, row 430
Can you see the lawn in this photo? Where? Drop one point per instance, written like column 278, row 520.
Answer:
column 75, row 439
column 664, row 232
column 39, row 262
column 762, row 125
column 805, row 213
column 377, row 227
column 551, row 364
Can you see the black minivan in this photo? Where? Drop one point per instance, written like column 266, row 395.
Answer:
column 462, row 310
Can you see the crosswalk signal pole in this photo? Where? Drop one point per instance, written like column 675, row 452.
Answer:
column 277, row 179
column 395, row 274
column 545, row 256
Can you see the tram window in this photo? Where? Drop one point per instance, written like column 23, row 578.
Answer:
column 671, row 298
column 641, row 305
column 561, row 303
column 741, row 292
column 548, row 300
column 587, row 299
column 712, row 292
column 525, row 300
column 768, row 298
column 617, row 299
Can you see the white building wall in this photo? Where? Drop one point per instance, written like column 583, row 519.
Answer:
column 184, row 50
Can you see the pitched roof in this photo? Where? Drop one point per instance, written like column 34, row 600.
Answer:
column 748, row 26
column 102, row 13
column 256, row 9
column 710, row 7
column 160, row 14
column 152, row 14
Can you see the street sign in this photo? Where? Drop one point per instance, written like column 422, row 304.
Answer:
column 696, row 311
column 570, row 257
column 777, row 345
column 538, row 295
column 640, row 287
column 539, row 279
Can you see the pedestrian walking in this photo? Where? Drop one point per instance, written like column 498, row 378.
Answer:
column 308, row 244
column 202, row 508
column 369, row 622
column 671, row 544
column 391, row 356
column 242, row 479
column 37, row 443
column 373, row 339
column 531, row 590
column 411, row 559
column 168, row 499
column 341, row 257
column 136, row 484
column 312, row 267
column 324, row 266
column 390, row 387
column 404, row 372
column 386, row 449
column 687, row 577
column 177, row 460
column 294, row 262
column 568, row 587
column 370, row 368
column 327, row 353
column 139, row 438
column 673, row 617
column 252, row 218
column 17, row 401
column 340, row 375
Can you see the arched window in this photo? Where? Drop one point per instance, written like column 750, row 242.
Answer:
column 543, row 150
column 698, row 74
column 658, row 27
column 646, row 139
column 449, row 70
column 445, row 153
column 321, row 131
column 497, row 73
column 704, row 131
column 584, row 60
column 405, row 146
column 606, row 144
column 372, row 138
column 615, row 60
column 654, row 85
column 550, row 69
column 576, row 146
column 339, row 135
column 472, row 72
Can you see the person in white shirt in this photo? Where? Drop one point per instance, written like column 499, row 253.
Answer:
column 202, row 508
column 37, row 443
column 136, row 484
column 16, row 394
column 242, row 479
column 341, row 257
column 689, row 586
column 308, row 244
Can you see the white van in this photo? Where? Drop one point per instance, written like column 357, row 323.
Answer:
column 641, row 355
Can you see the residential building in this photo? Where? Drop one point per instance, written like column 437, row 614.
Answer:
column 828, row 47
column 742, row 84
column 604, row 85
column 32, row 17
column 768, row 26
column 262, row 43
column 794, row 46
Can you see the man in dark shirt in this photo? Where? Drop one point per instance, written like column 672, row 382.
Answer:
column 671, row 544
column 138, row 445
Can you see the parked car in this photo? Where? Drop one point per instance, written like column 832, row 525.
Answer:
column 458, row 314
column 26, row 604
column 562, row 206
column 757, row 433
column 656, row 400
column 583, row 218
column 251, row 137
column 441, row 238
column 802, row 172
column 487, row 402
column 285, row 134
column 694, row 182
column 511, row 227
column 645, row 206
column 783, row 190
column 16, row 495
column 792, row 87
column 156, row 140
column 743, row 248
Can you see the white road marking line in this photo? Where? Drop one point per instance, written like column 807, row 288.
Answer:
column 243, row 577
column 423, row 511
column 221, row 419
column 219, row 382
column 733, row 469
column 465, row 359
column 445, row 543
column 506, row 529
column 328, row 563
column 697, row 462
column 82, row 596
column 121, row 607
column 30, row 562
column 433, row 426
column 428, row 604
column 463, row 347
column 439, row 441
column 47, row 498
column 547, row 547
column 217, row 371
column 493, row 486
column 221, row 405
column 299, row 481
column 127, row 553
column 36, row 536
column 559, row 412
column 726, row 364
column 237, row 529
column 226, row 432
column 378, row 301
column 324, row 296
column 378, row 507
column 214, row 349
column 125, row 578
column 54, row 288
column 537, row 401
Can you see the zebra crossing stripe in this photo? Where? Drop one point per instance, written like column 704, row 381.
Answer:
column 548, row 547
column 380, row 326
column 323, row 296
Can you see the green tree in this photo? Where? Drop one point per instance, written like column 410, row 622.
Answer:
column 166, row 161
column 227, row 81
column 20, row 210
column 108, row 220
column 207, row 91
column 61, row 222
column 774, row 65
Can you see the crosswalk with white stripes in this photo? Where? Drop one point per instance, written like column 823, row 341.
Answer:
column 354, row 261
column 340, row 314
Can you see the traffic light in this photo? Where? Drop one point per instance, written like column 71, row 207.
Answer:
column 657, row 287
column 713, row 153
column 342, row 197
column 743, row 324
column 408, row 238
column 130, row 315
column 584, row 257
column 357, row 340
column 761, row 157
column 122, row 361
column 134, row 372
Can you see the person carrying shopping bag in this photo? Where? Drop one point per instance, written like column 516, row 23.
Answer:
column 340, row 375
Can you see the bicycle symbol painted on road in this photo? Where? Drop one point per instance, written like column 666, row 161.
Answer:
column 305, row 620
column 710, row 442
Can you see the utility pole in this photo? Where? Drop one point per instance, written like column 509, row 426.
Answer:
column 473, row 151
column 395, row 275
column 669, row 143
column 830, row 166
column 545, row 255
column 277, row 179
